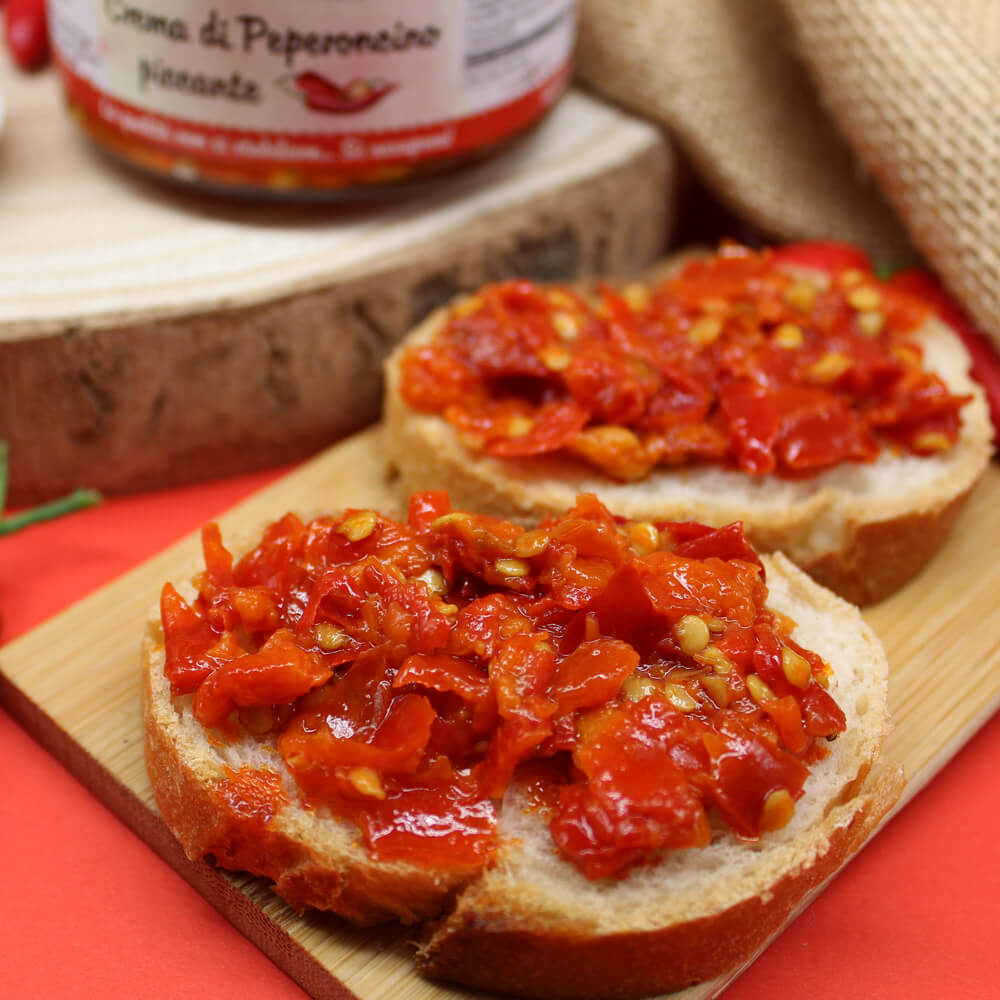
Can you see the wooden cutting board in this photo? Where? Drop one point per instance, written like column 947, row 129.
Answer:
column 74, row 684
column 151, row 335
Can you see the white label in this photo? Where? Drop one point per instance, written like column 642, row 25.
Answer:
column 313, row 66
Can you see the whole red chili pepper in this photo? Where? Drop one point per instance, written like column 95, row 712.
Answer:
column 322, row 94
column 823, row 255
column 315, row 84
column 26, row 31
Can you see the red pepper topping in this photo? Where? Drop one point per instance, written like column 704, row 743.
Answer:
column 744, row 359
column 408, row 673
column 985, row 361
column 188, row 639
column 253, row 795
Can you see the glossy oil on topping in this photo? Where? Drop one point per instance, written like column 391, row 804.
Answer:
column 741, row 359
column 628, row 674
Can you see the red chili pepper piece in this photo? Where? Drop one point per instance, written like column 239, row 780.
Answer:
column 218, row 559
column 753, row 423
column 256, row 796
column 389, row 823
column 593, row 673
column 424, row 508
column 26, row 31
column 985, row 362
column 444, row 672
column 279, row 672
column 188, row 638
column 745, row 771
column 552, row 426
column 727, row 543
column 393, row 745
column 823, row 716
column 636, row 798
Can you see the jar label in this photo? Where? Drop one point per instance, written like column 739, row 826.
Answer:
column 348, row 82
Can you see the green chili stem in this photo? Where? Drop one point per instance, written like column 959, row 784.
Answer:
column 885, row 269
column 77, row 500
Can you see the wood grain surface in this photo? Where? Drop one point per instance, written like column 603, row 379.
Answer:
column 74, row 683
column 151, row 335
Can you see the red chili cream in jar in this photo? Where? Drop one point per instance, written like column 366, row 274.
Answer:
column 315, row 96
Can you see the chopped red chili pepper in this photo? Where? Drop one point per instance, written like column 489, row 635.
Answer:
column 408, row 672
column 254, row 795
column 740, row 359
column 985, row 361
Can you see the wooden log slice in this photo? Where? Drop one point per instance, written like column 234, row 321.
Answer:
column 151, row 336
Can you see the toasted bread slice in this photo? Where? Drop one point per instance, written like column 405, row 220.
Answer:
column 530, row 923
column 313, row 858
column 863, row 530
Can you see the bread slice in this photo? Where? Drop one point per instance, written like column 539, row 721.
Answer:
column 861, row 530
column 313, row 858
column 530, row 924
column 533, row 926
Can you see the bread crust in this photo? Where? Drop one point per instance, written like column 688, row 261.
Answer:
column 862, row 531
column 883, row 556
column 505, row 929
column 475, row 944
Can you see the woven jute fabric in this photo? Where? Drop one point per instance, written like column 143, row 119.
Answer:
column 725, row 79
column 915, row 87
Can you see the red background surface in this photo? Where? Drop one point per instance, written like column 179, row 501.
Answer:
column 90, row 911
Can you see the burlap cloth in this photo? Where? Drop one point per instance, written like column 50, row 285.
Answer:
column 872, row 121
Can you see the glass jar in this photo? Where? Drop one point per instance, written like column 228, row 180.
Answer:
column 310, row 96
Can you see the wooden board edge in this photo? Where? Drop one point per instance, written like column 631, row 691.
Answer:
column 936, row 763
column 211, row 883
